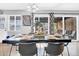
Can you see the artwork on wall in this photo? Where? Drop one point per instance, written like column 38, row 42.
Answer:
column 26, row 20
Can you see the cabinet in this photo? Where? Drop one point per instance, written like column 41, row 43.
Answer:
column 15, row 22
column 2, row 21
column 11, row 23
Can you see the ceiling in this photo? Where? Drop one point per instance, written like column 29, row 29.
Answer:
column 41, row 6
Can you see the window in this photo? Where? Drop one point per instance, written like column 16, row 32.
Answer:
column 15, row 23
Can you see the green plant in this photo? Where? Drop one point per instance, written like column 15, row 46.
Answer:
column 38, row 24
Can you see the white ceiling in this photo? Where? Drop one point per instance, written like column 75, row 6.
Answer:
column 41, row 6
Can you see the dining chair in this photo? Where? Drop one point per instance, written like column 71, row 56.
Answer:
column 54, row 49
column 66, row 45
column 27, row 49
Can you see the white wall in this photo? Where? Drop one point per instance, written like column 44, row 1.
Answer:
column 15, row 12
column 26, row 29
column 3, row 35
column 77, row 28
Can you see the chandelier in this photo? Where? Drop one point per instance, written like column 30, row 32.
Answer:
column 32, row 7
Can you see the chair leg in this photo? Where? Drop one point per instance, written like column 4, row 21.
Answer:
column 16, row 48
column 68, row 51
column 10, row 50
column 44, row 53
column 62, row 54
column 36, row 54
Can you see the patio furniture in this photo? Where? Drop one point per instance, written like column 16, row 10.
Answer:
column 72, row 35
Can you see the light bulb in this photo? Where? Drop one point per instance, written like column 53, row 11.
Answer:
column 32, row 8
column 28, row 7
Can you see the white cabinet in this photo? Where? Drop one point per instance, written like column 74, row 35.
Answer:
column 15, row 22
column 2, row 21
column 11, row 23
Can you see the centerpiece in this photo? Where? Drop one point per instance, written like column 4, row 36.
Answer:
column 39, row 31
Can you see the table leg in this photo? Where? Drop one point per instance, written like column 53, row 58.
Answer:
column 10, row 50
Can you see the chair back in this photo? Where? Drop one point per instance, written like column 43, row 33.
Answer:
column 27, row 49
column 55, row 49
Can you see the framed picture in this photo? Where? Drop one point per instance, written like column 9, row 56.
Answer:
column 26, row 20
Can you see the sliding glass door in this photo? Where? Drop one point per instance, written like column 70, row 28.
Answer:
column 58, row 25
column 65, row 25
column 41, row 24
column 70, row 26
column 61, row 24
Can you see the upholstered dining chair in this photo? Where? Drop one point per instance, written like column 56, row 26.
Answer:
column 27, row 49
column 54, row 49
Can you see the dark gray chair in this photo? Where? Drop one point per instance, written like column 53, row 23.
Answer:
column 27, row 49
column 54, row 49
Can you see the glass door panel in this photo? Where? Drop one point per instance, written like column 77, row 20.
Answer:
column 44, row 21
column 2, row 22
column 18, row 22
column 41, row 25
column 70, row 26
column 12, row 22
column 58, row 25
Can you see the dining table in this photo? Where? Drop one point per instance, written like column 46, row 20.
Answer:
column 40, row 40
